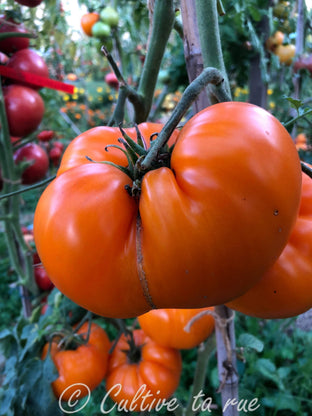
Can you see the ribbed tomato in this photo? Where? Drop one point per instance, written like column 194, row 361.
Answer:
column 87, row 364
column 200, row 232
column 286, row 289
column 143, row 366
column 168, row 327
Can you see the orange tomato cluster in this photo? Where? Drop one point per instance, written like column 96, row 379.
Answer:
column 136, row 365
column 285, row 53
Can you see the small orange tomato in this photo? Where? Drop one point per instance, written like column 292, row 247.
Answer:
column 275, row 40
column 168, row 327
column 86, row 364
column 87, row 21
column 286, row 289
column 141, row 373
column 285, row 53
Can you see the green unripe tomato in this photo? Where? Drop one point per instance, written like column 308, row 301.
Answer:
column 109, row 16
column 101, row 30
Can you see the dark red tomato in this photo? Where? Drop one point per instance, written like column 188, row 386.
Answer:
column 24, row 108
column 55, row 155
column 58, row 144
column 29, row 61
column 112, row 80
column 45, row 135
column 42, row 279
column 12, row 44
column 29, row 3
column 38, row 168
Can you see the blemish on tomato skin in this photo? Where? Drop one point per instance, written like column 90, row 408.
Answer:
column 275, row 212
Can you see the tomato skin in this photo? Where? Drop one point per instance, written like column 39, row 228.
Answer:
column 218, row 189
column 87, row 364
column 24, row 109
column 29, row 61
column 286, row 289
column 167, row 327
column 12, row 44
column 38, row 169
column 159, row 369
column 87, row 21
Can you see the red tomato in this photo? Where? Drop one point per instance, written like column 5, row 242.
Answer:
column 186, row 241
column 39, row 166
column 29, row 3
column 148, row 366
column 55, row 155
column 42, row 279
column 29, row 61
column 12, row 44
column 286, row 289
column 87, row 21
column 86, row 364
column 24, row 109
column 45, row 135
column 167, row 327
column 112, row 80
column 59, row 145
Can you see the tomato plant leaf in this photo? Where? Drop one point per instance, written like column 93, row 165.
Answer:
column 250, row 341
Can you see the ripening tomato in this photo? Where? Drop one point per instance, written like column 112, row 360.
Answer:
column 285, row 53
column 29, row 61
column 87, row 21
column 143, row 367
column 202, row 231
column 275, row 40
column 12, row 44
column 286, row 289
column 167, row 327
column 24, row 108
column 39, row 162
column 87, row 364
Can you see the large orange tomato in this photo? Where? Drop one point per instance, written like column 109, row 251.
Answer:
column 200, row 233
column 286, row 289
column 168, row 327
column 86, row 364
column 142, row 373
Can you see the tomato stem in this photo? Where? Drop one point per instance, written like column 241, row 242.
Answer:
column 208, row 76
column 19, row 252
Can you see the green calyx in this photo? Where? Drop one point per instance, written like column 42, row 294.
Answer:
column 135, row 152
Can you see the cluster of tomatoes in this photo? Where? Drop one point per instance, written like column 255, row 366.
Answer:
column 100, row 25
column 285, row 52
column 24, row 106
column 143, row 363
